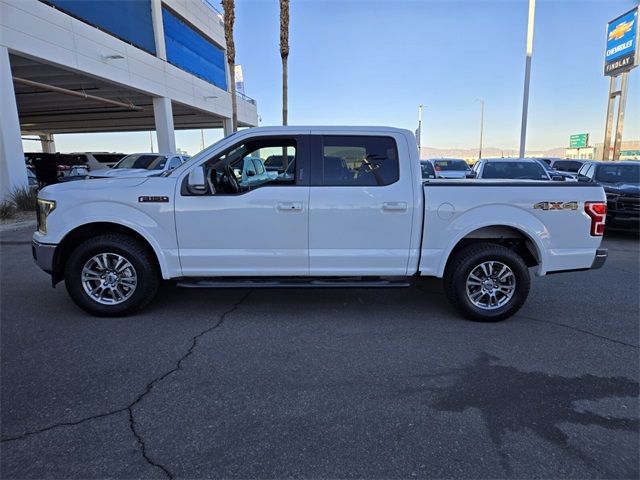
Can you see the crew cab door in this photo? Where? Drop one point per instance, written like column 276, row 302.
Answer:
column 361, row 205
column 259, row 227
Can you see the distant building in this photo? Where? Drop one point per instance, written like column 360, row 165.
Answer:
column 630, row 150
column 108, row 66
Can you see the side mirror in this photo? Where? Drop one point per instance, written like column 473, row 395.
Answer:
column 471, row 175
column 583, row 178
column 557, row 178
column 251, row 173
column 196, row 181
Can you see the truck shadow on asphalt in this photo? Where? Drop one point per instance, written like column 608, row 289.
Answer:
column 510, row 400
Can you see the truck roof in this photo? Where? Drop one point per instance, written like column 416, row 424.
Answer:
column 346, row 128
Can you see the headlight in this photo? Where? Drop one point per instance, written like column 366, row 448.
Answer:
column 44, row 208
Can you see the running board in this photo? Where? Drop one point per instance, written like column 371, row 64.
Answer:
column 291, row 283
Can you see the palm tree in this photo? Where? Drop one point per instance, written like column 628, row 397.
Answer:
column 284, row 54
column 229, row 19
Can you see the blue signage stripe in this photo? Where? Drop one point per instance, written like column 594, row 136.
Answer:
column 192, row 52
column 129, row 21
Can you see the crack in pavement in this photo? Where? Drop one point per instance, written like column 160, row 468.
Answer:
column 129, row 408
column 587, row 332
column 558, row 324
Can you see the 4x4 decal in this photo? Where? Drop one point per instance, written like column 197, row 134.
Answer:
column 556, row 206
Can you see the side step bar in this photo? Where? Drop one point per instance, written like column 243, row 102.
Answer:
column 291, row 283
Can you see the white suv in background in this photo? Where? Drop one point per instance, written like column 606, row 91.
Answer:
column 99, row 160
column 142, row 165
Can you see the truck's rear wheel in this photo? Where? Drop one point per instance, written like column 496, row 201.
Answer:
column 111, row 275
column 487, row 282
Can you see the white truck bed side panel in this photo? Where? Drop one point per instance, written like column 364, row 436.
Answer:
column 561, row 238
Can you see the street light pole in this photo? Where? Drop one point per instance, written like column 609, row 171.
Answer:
column 419, row 132
column 527, row 76
column 481, row 127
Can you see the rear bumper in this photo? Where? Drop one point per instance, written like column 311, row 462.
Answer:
column 600, row 258
column 598, row 261
column 43, row 255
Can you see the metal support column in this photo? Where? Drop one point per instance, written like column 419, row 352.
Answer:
column 227, row 126
column 163, row 114
column 622, row 101
column 527, row 77
column 609, row 153
column 48, row 143
column 611, row 104
column 13, row 173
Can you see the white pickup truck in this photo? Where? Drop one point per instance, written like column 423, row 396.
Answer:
column 348, row 209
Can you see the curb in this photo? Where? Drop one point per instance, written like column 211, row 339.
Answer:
column 12, row 226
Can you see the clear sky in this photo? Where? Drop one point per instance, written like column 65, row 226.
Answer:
column 372, row 62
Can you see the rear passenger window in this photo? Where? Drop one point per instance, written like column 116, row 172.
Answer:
column 359, row 161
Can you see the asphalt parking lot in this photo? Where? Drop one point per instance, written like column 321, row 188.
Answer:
column 321, row 383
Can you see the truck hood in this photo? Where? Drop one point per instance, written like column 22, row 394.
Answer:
column 93, row 184
column 622, row 188
column 123, row 173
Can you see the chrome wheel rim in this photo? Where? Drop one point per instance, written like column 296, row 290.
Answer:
column 109, row 278
column 490, row 285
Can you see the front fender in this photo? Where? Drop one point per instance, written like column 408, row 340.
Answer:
column 155, row 225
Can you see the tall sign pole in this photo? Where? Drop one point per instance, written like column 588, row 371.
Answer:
column 419, row 129
column 527, row 77
column 481, row 128
column 621, row 56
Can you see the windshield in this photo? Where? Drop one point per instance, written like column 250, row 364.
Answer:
column 456, row 165
column 567, row 165
column 142, row 160
column 108, row 157
column 618, row 173
column 514, row 170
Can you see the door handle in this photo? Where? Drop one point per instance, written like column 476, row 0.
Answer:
column 289, row 206
column 394, row 206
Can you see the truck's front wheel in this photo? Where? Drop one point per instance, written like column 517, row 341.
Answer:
column 111, row 275
column 487, row 282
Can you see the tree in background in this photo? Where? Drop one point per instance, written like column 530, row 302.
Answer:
column 284, row 54
column 229, row 20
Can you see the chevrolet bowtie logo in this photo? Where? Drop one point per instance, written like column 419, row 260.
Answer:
column 620, row 30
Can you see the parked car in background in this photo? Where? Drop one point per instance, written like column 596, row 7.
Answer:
column 32, row 179
column 50, row 167
column 141, row 165
column 564, row 164
column 274, row 163
column 510, row 168
column 621, row 183
column 73, row 173
column 427, row 169
column 99, row 160
column 254, row 173
column 450, row 167
column 557, row 174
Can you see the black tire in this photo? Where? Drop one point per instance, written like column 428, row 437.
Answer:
column 146, row 270
column 467, row 260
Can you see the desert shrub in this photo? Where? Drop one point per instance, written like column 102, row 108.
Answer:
column 7, row 210
column 24, row 199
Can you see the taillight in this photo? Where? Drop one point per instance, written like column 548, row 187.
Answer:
column 597, row 211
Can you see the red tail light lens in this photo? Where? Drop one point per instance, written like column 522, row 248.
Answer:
column 597, row 211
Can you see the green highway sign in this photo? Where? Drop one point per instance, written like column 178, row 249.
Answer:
column 579, row 140
column 630, row 153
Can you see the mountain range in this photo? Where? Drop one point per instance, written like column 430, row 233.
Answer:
column 489, row 152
